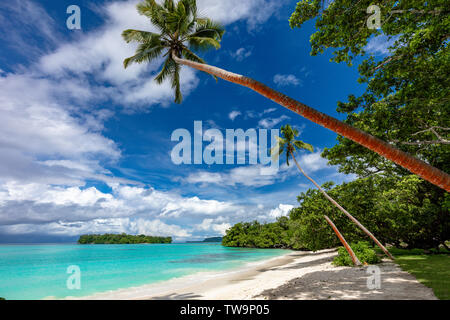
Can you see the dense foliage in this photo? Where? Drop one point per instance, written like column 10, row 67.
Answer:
column 121, row 239
column 257, row 235
column 362, row 250
column 401, row 211
column 404, row 66
column 406, row 101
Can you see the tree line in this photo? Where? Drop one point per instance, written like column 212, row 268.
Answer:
column 401, row 211
column 121, row 239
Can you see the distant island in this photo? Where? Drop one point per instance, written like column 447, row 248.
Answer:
column 121, row 239
column 213, row 239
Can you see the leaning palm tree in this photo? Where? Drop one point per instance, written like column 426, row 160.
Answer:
column 347, row 247
column 181, row 29
column 288, row 145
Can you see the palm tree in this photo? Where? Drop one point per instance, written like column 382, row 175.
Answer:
column 355, row 259
column 181, row 28
column 288, row 144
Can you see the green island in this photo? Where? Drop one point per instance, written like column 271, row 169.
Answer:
column 121, row 239
column 212, row 239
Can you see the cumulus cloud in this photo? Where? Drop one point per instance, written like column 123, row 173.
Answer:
column 241, row 54
column 379, row 45
column 281, row 211
column 268, row 123
column 113, row 225
column 313, row 162
column 254, row 12
column 24, row 18
column 250, row 176
column 75, row 209
column 52, row 139
column 213, row 225
column 284, row 80
column 258, row 176
column 234, row 114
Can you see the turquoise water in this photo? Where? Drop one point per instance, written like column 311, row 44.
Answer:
column 39, row 271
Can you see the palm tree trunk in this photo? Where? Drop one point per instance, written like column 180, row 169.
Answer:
column 343, row 210
column 416, row 166
column 355, row 259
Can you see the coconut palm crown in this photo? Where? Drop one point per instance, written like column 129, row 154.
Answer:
column 180, row 30
column 288, row 143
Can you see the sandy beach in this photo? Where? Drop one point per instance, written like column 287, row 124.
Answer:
column 296, row 275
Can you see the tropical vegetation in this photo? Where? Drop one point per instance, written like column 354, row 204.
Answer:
column 406, row 101
column 121, row 239
column 363, row 252
column 400, row 211
column 289, row 145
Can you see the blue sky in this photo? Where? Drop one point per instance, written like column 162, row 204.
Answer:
column 85, row 145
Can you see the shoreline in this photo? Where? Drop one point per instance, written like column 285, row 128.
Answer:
column 147, row 291
column 296, row 275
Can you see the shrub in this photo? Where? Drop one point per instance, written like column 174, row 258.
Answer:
column 362, row 250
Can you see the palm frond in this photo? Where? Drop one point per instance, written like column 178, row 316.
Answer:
column 302, row 145
column 189, row 55
column 203, row 43
column 132, row 35
column 145, row 53
column 206, row 28
column 154, row 11
column 166, row 71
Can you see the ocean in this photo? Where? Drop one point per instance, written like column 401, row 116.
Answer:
column 54, row 271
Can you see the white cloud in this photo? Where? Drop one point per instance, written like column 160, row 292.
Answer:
column 255, row 12
column 24, row 18
column 241, row 54
column 39, row 125
column 281, row 211
column 270, row 110
column 156, row 227
column 272, row 122
column 250, row 176
column 212, row 225
column 114, row 225
column 234, row 114
column 379, row 45
column 54, row 209
column 283, row 80
column 313, row 162
column 51, row 128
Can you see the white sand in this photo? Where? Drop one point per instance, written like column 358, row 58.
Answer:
column 296, row 275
